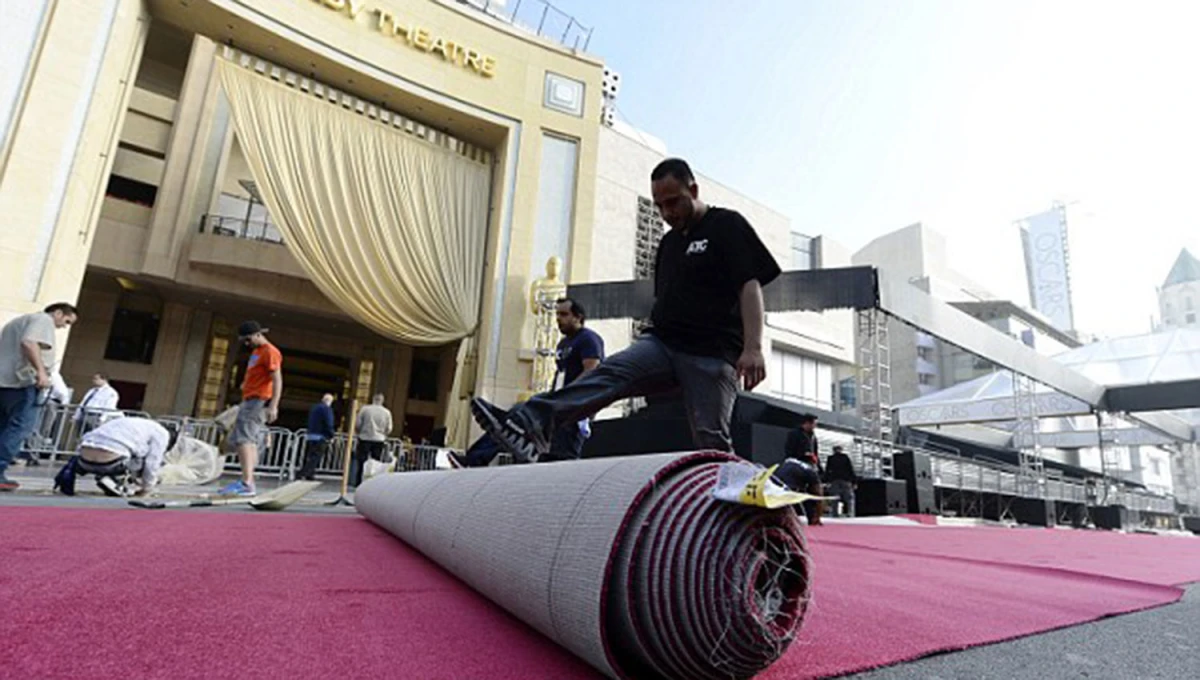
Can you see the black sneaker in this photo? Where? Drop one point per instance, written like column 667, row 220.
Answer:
column 501, row 427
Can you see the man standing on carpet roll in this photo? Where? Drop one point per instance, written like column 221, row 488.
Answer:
column 706, row 334
column 261, row 389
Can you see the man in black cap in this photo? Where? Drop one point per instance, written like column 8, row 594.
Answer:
column 706, row 335
column 261, row 389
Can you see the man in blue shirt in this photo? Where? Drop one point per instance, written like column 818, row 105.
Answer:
column 580, row 350
column 320, row 432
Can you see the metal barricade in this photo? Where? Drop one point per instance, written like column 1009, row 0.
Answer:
column 60, row 427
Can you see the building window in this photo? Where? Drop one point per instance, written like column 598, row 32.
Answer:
column 925, row 353
column 1187, row 304
column 1156, row 467
column 848, row 393
column 555, row 205
column 926, row 378
column 1190, row 317
column 242, row 218
column 801, row 379
column 131, row 190
column 801, row 251
column 423, row 381
column 132, row 336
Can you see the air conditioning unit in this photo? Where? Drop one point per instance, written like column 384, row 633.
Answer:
column 611, row 84
column 608, row 115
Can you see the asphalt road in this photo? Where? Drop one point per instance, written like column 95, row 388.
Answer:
column 1162, row 643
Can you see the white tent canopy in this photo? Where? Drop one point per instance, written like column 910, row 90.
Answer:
column 1157, row 358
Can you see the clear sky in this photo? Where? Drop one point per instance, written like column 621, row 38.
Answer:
column 857, row 117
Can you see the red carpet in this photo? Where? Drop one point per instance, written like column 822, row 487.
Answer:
column 199, row 594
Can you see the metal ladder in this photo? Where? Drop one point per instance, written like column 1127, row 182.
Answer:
column 1031, row 480
column 876, row 433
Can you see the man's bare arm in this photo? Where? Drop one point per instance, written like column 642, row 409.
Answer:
column 276, row 395
column 751, row 366
column 33, row 352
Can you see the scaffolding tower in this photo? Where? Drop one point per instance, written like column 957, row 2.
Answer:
column 1031, row 474
column 875, row 434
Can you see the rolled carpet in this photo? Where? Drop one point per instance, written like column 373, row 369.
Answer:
column 628, row 562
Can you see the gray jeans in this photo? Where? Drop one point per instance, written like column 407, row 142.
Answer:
column 647, row 367
column 845, row 492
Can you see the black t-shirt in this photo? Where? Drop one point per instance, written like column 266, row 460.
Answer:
column 698, row 279
column 573, row 349
column 802, row 445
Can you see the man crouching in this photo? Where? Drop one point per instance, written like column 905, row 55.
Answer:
column 125, row 455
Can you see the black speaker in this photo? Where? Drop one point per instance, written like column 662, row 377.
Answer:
column 880, row 497
column 1110, row 516
column 916, row 471
column 1038, row 512
column 632, row 436
column 1191, row 523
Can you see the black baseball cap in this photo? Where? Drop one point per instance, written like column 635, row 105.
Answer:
column 249, row 328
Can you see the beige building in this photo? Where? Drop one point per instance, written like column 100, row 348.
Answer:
column 134, row 179
column 127, row 188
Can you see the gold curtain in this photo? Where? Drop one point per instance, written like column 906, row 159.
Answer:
column 389, row 227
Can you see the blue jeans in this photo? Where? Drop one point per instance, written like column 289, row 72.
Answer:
column 18, row 417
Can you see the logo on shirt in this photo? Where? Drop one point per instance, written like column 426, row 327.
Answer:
column 253, row 360
column 698, row 247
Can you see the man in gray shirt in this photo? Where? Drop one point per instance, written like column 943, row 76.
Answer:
column 374, row 426
column 26, row 355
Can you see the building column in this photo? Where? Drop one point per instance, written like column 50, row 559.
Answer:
column 169, row 359
column 198, row 142
column 193, row 363
column 58, row 141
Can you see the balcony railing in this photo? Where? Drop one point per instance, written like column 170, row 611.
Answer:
column 240, row 227
column 538, row 17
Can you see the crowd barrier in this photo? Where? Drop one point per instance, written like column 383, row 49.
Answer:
column 60, row 428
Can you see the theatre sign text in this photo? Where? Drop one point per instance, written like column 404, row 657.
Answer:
column 417, row 37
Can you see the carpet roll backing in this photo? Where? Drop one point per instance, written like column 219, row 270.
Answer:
column 627, row 562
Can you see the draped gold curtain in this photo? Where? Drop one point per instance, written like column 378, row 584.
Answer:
column 389, row 227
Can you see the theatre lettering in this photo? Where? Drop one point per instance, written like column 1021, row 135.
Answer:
column 417, row 37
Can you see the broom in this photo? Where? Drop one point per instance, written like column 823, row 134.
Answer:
column 277, row 499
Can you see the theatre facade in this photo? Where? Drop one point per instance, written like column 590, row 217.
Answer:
column 377, row 181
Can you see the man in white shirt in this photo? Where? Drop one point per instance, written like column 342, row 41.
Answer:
column 374, row 426
column 120, row 448
column 102, row 398
column 26, row 355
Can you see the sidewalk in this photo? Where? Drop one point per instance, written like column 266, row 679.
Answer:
column 37, row 488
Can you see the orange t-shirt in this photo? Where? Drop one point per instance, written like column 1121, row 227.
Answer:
column 263, row 362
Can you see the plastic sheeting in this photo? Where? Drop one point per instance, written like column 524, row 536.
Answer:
column 191, row 462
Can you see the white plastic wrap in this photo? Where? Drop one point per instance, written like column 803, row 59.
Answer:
column 191, row 462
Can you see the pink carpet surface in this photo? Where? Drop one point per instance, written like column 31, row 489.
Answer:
column 190, row 594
